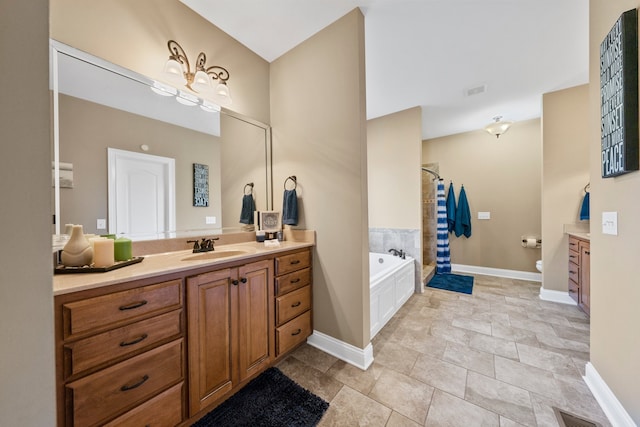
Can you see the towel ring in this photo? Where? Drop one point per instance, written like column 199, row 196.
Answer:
column 586, row 187
column 250, row 185
column 292, row 178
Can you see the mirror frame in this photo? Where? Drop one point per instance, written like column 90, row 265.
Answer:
column 56, row 47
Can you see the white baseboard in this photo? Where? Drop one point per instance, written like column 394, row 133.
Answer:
column 360, row 358
column 556, row 296
column 498, row 272
column 608, row 401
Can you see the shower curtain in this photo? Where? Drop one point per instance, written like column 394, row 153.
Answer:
column 443, row 258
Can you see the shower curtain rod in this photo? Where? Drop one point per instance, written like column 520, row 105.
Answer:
column 432, row 173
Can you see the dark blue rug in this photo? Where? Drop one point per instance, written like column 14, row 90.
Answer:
column 452, row 282
column 270, row 400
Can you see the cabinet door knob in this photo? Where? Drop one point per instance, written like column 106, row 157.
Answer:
column 243, row 280
column 234, row 282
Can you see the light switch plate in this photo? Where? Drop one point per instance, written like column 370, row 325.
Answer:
column 101, row 224
column 484, row 215
column 610, row 223
column 210, row 219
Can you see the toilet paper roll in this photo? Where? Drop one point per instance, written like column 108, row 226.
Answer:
column 531, row 243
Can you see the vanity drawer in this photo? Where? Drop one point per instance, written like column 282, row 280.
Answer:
column 293, row 333
column 96, row 397
column 98, row 349
column 574, row 272
column 574, row 290
column 288, row 263
column 292, row 281
column 574, row 245
column 293, row 304
column 164, row 410
column 100, row 312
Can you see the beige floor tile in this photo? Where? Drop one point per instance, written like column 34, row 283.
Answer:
column 494, row 345
column 424, row 343
column 527, row 377
column 540, row 328
column 399, row 420
column 474, row 325
column 315, row 381
column 396, row 357
column 447, row 410
column 502, row 398
column 351, row 408
column 471, row 359
column 546, row 359
column 572, row 334
column 356, row 378
column 564, row 346
column 514, row 334
column 580, row 401
column 450, row 333
column 439, row 374
column 313, row 357
column 403, row 394
column 506, row 422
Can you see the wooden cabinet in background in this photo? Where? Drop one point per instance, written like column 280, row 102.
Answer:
column 579, row 272
column 230, row 313
column 123, row 348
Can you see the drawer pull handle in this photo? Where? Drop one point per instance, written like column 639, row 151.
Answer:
column 135, row 341
column 296, row 304
column 133, row 305
column 295, row 261
column 127, row 387
column 573, row 272
column 294, row 280
column 587, row 252
column 243, row 280
column 293, row 334
column 572, row 256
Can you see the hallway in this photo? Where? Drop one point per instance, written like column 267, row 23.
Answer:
column 499, row 357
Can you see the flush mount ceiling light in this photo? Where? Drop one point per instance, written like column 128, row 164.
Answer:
column 210, row 82
column 498, row 127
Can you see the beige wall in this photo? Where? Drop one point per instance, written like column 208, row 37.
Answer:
column 27, row 396
column 319, row 135
column 565, row 173
column 501, row 176
column 134, row 34
column 394, row 146
column 615, row 292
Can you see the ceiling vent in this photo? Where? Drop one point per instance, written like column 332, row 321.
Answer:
column 476, row 90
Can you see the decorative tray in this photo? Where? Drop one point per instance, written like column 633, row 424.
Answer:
column 61, row 269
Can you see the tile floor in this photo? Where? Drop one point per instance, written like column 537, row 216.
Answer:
column 499, row 357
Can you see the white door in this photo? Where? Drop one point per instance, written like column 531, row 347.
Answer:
column 141, row 194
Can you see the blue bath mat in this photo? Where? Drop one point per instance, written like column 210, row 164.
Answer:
column 452, row 282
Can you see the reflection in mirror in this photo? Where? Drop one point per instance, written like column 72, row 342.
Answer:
column 98, row 105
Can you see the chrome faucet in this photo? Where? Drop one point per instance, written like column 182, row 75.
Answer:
column 399, row 253
column 206, row 245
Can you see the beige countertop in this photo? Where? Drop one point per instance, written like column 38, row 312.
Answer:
column 168, row 262
column 580, row 235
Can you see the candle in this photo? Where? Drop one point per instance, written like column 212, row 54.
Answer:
column 103, row 252
column 122, row 249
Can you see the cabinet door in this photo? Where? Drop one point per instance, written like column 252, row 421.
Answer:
column 255, row 317
column 585, row 278
column 211, row 298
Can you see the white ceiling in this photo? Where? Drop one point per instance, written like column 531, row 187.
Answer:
column 429, row 52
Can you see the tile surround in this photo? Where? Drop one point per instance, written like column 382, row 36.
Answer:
column 500, row 357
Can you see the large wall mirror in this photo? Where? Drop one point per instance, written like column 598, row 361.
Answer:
column 100, row 106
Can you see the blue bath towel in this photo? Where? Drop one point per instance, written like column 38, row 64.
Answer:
column 584, row 210
column 451, row 209
column 290, row 207
column 463, row 216
column 248, row 206
column 443, row 255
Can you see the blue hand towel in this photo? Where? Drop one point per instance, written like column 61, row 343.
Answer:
column 451, row 209
column 463, row 216
column 584, row 210
column 248, row 206
column 290, row 207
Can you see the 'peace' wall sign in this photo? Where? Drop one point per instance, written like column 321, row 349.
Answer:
column 619, row 97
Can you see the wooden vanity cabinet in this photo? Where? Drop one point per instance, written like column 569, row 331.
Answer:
column 229, row 330
column 120, row 354
column 579, row 272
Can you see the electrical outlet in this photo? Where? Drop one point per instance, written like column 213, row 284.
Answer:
column 484, row 215
column 210, row 219
column 101, row 224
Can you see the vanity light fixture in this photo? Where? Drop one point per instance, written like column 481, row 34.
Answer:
column 210, row 82
column 497, row 127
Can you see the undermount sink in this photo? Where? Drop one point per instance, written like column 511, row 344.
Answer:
column 215, row 255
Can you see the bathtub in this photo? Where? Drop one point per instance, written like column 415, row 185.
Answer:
column 391, row 282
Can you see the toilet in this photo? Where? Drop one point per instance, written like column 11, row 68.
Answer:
column 539, row 265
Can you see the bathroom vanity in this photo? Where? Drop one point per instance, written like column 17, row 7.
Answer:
column 579, row 270
column 164, row 341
